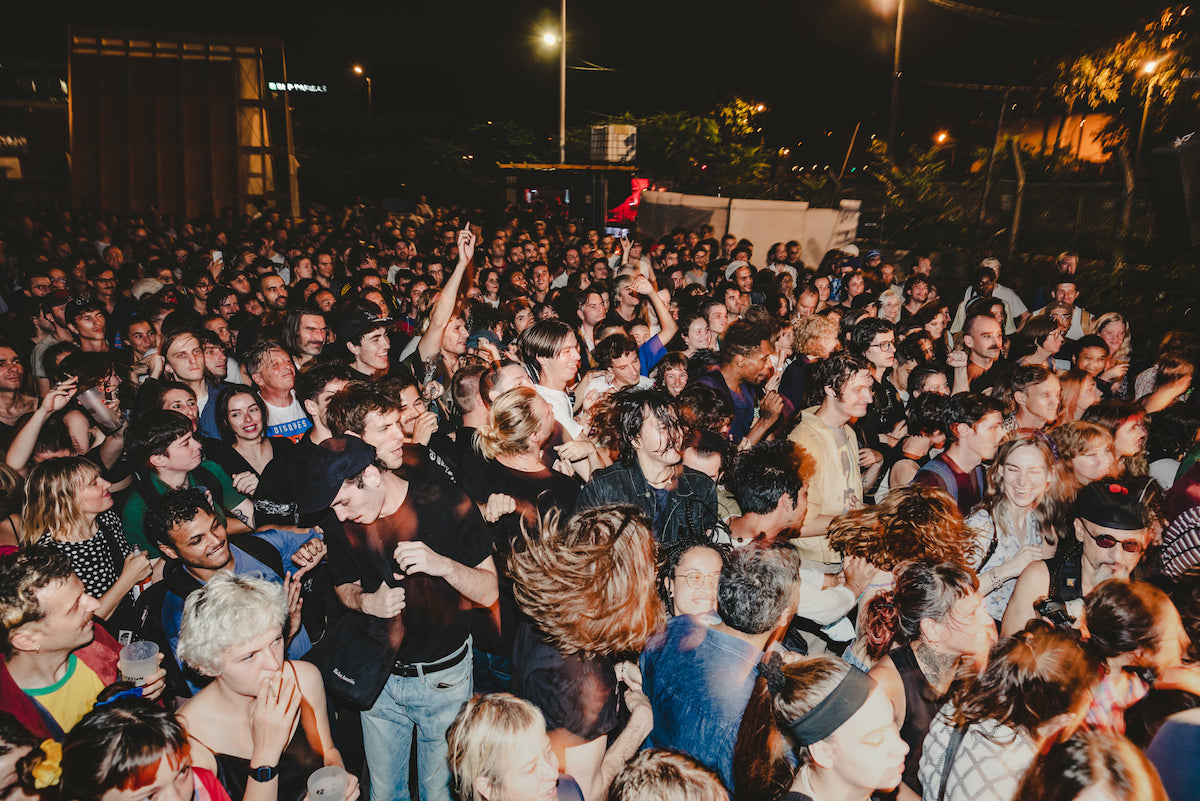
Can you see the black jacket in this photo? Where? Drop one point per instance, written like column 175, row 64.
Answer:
column 690, row 511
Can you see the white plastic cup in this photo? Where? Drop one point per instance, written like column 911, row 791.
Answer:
column 328, row 784
column 138, row 661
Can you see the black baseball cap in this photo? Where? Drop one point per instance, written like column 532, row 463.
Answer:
column 332, row 462
column 360, row 318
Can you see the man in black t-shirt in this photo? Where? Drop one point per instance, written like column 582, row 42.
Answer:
column 418, row 556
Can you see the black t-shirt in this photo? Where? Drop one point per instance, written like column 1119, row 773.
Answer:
column 435, row 620
column 276, row 500
column 233, row 462
column 573, row 693
column 536, row 494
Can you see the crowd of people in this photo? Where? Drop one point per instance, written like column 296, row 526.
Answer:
column 501, row 507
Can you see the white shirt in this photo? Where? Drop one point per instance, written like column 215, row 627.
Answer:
column 287, row 421
column 560, row 402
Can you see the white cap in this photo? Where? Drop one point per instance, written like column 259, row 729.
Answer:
column 147, row 286
column 733, row 266
column 850, row 250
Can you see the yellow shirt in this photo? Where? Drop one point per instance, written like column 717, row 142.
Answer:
column 72, row 696
column 836, row 483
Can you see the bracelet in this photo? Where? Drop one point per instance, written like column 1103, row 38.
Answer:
column 996, row 582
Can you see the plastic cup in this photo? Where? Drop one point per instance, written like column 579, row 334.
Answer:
column 138, row 661
column 93, row 403
column 328, row 784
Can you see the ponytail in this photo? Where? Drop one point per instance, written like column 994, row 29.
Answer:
column 761, row 769
column 879, row 624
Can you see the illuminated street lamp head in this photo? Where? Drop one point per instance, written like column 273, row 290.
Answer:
column 358, row 69
column 942, row 137
column 760, row 108
column 1150, row 67
column 549, row 38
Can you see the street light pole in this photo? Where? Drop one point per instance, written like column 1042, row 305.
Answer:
column 358, row 70
column 894, row 119
column 1149, row 69
column 562, row 86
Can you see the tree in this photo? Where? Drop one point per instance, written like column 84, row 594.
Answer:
column 920, row 210
column 718, row 152
column 1117, row 78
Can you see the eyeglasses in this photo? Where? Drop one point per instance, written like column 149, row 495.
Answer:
column 1107, row 541
column 885, row 346
column 697, row 581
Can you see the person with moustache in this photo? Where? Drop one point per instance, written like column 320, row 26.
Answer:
column 983, row 340
column 1111, row 531
column 304, row 334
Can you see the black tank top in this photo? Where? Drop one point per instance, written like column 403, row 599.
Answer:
column 296, row 764
column 920, row 705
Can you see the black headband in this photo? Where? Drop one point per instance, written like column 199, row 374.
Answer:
column 833, row 710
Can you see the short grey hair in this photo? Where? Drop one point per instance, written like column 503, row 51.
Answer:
column 757, row 585
column 228, row 611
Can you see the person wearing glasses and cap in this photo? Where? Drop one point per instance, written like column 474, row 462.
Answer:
column 1111, row 533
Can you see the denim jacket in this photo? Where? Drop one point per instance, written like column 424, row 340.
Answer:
column 691, row 506
column 698, row 681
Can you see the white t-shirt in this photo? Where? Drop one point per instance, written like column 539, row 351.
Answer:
column 561, row 404
column 287, row 421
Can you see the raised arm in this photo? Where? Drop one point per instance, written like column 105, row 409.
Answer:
column 666, row 323
column 439, row 318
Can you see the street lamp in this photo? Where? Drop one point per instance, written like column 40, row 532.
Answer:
column 894, row 118
column 549, row 38
column 358, row 70
column 1149, row 68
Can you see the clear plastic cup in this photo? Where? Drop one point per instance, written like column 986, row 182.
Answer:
column 328, row 784
column 138, row 661
column 104, row 416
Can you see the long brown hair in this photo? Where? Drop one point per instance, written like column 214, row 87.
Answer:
column 762, row 770
column 1049, row 512
column 911, row 522
column 1031, row 677
column 589, row 583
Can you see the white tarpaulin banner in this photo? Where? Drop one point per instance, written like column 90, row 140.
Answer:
column 763, row 222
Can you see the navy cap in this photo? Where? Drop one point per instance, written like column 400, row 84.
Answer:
column 332, row 462
column 1117, row 503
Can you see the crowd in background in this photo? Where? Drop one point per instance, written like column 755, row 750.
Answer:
column 498, row 506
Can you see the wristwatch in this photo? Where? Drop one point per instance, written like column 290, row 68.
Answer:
column 264, row 774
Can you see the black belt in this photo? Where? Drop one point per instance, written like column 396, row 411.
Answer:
column 418, row 669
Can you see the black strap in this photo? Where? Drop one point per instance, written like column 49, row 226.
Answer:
column 956, row 738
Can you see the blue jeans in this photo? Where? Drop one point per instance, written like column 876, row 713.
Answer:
column 429, row 702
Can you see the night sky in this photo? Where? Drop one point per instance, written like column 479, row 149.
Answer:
column 820, row 65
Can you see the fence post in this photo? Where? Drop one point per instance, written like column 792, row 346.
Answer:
column 1127, row 205
column 1020, row 195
